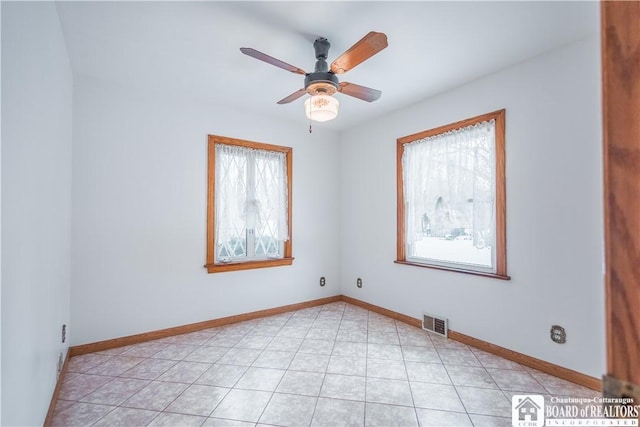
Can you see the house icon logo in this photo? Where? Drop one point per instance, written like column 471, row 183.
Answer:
column 527, row 410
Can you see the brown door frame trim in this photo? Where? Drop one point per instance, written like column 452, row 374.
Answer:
column 620, row 32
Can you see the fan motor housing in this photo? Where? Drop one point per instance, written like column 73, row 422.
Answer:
column 321, row 83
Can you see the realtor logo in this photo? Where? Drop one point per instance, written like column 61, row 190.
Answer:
column 527, row 410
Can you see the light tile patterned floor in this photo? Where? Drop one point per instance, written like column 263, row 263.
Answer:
column 332, row 365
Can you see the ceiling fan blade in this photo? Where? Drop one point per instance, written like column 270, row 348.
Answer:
column 364, row 49
column 295, row 95
column 360, row 92
column 271, row 60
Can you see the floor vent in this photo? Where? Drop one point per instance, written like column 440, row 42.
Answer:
column 435, row 324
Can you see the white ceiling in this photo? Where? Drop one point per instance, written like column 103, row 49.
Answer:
column 192, row 48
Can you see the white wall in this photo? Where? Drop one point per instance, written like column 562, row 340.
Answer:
column 36, row 207
column 139, row 204
column 554, row 212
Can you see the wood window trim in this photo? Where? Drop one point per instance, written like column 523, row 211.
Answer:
column 287, row 258
column 501, row 214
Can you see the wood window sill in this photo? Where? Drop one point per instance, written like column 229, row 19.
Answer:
column 249, row 265
column 457, row 270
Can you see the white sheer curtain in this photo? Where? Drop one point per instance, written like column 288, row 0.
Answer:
column 250, row 193
column 271, row 194
column 449, row 184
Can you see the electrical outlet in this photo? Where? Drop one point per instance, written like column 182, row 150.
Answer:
column 558, row 334
column 359, row 282
column 64, row 333
column 323, row 281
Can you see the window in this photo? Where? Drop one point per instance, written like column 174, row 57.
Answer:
column 249, row 205
column 451, row 197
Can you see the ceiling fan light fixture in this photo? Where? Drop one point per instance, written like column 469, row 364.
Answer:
column 323, row 82
column 321, row 108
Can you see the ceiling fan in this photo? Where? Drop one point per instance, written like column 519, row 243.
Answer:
column 323, row 82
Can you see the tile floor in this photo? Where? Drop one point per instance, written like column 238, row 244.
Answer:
column 332, row 365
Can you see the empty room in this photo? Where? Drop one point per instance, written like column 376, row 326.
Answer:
column 341, row 213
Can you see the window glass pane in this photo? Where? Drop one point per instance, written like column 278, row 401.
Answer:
column 449, row 185
column 234, row 247
column 231, row 193
column 251, row 202
column 270, row 191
